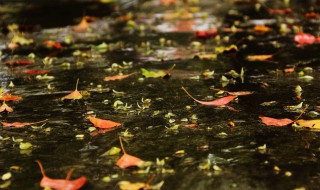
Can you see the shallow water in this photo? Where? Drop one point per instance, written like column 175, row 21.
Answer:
column 289, row 161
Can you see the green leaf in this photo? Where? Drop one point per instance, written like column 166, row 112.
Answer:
column 152, row 74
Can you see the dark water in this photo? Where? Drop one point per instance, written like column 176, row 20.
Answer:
column 290, row 160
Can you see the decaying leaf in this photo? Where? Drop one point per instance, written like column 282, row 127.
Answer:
column 61, row 184
column 75, row 95
column 127, row 160
column 275, row 122
column 218, row 102
column 19, row 124
column 5, row 107
column 117, row 77
column 104, row 124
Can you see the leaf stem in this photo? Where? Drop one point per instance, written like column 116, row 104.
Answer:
column 123, row 150
column 41, row 168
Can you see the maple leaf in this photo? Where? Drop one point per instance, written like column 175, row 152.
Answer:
column 105, row 124
column 275, row 122
column 218, row 102
column 9, row 97
column 5, row 107
column 61, row 184
column 117, row 77
column 75, row 95
column 19, row 124
column 128, row 160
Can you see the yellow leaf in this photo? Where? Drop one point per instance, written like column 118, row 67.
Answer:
column 311, row 124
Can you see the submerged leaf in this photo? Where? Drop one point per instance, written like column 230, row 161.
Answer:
column 218, row 102
column 275, row 122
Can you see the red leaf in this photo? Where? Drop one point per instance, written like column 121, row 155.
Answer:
column 218, row 102
column 280, row 11
column 54, row 44
column 9, row 97
column 61, row 184
column 105, row 124
column 75, row 95
column 127, row 160
column 206, row 33
column 18, row 62
column 275, row 122
column 19, row 124
column 304, row 38
column 117, row 77
column 5, row 107
column 35, row 71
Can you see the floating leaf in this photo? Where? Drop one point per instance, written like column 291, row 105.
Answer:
column 280, row 11
column 104, row 124
column 206, row 33
column 5, row 108
column 19, row 124
column 9, row 97
column 275, row 122
column 261, row 28
column 61, row 184
column 25, row 146
column 19, row 62
column 218, row 102
column 304, row 38
column 259, row 57
column 239, row 93
column 311, row 124
column 117, row 77
column 35, row 71
column 112, row 151
column 127, row 160
column 50, row 43
column 75, row 95
column 158, row 74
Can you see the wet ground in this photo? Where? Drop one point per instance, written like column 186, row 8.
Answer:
column 217, row 47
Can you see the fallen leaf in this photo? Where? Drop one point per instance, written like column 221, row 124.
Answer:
column 168, row 2
column 259, row 57
column 275, row 122
column 261, row 28
column 304, row 38
column 311, row 15
column 206, row 33
column 82, row 26
column 311, row 124
column 240, row 93
column 50, row 43
column 128, row 160
column 218, row 102
column 18, row 62
column 117, row 77
column 105, row 124
column 158, row 74
column 5, row 107
column 61, row 184
column 75, row 95
column 35, row 71
column 280, row 11
column 9, row 97
column 19, row 124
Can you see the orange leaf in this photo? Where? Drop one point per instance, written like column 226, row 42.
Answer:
column 127, row 160
column 117, row 77
column 105, row 124
column 288, row 70
column 218, row 102
column 83, row 26
column 18, row 62
column 35, row 71
column 261, row 28
column 61, row 184
column 19, row 124
column 275, row 122
column 192, row 125
column 9, row 97
column 50, row 43
column 168, row 2
column 5, row 107
column 75, row 95
column 258, row 57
